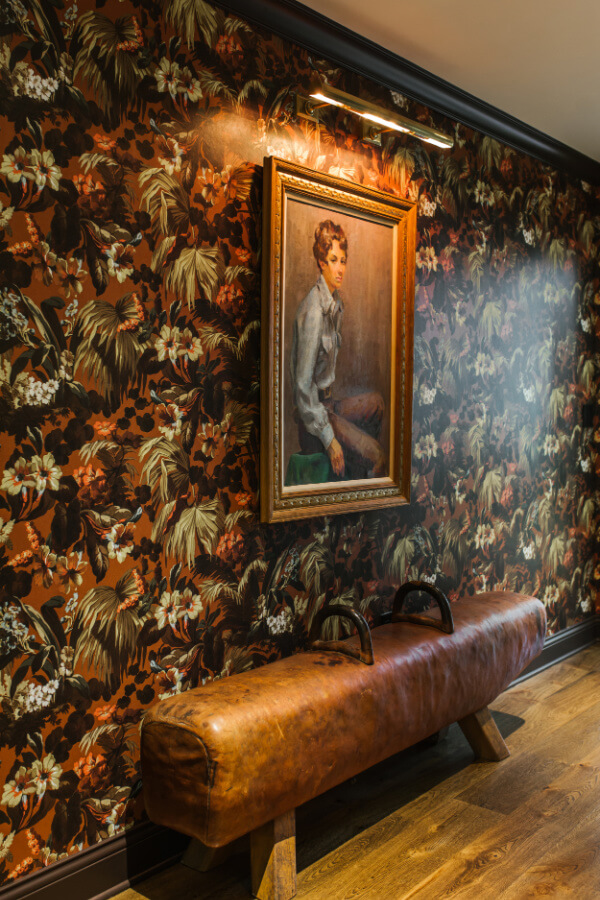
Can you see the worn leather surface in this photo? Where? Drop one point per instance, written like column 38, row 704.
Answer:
column 221, row 760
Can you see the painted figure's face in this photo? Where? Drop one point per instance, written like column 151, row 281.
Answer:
column 334, row 267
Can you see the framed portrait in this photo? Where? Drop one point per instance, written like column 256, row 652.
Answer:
column 337, row 345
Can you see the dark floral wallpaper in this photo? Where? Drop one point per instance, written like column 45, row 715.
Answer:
column 132, row 561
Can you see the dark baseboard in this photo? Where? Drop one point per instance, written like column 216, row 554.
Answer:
column 327, row 39
column 113, row 865
column 562, row 645
column 105, row 869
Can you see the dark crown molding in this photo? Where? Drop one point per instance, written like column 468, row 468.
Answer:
column 324, row 37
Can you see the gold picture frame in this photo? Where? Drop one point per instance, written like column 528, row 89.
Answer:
column 322, row 234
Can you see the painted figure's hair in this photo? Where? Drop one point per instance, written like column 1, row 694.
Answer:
column 325, row 234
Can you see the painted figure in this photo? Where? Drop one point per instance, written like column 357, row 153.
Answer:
column 346, row 429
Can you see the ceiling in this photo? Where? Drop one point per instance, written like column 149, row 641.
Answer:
column 536, row 59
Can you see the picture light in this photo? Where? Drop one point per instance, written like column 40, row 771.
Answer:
column 376, row 119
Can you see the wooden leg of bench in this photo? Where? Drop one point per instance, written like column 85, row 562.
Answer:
column 482, row 734
column 273, row 857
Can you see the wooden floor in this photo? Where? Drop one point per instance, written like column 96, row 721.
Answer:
column 431, row 823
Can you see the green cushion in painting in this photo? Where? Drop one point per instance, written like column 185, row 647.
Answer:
column 308, row 468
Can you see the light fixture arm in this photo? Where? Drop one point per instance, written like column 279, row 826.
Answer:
column 308, row 108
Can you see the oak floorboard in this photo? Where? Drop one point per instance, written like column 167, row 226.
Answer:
column 572, row 745
column 545, row 683
column 569, row 870
column 573, row 688
column 588, row 658
column 507, row 787
column 546, row 718
column 489, row 865
column 432, row 823
column 361, row 868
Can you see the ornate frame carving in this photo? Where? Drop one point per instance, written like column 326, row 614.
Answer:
column 284, row 180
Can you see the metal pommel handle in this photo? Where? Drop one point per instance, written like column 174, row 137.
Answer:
column 364, row 655
column 446, row 624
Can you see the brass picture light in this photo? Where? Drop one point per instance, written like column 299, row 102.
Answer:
column 376, row 119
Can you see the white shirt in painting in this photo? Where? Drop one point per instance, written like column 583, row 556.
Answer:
column 315, row 344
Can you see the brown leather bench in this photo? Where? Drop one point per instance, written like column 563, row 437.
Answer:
column 238, row 755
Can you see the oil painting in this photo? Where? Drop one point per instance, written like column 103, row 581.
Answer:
column 337, row 327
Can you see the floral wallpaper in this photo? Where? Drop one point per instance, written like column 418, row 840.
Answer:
column 132, row 561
